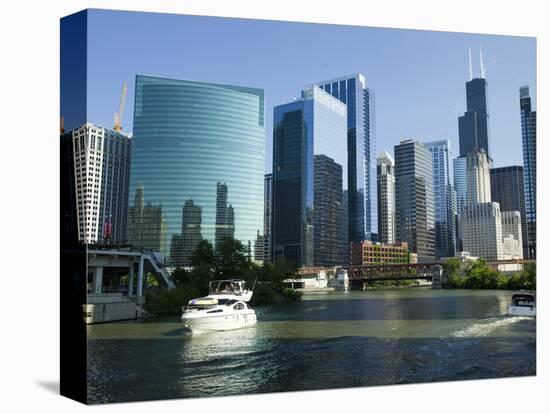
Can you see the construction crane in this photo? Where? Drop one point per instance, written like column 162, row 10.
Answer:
column 120, row 112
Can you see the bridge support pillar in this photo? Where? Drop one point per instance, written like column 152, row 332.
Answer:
column 97, row 280
column 437, row 277
column 139, row 292
column 131, row 280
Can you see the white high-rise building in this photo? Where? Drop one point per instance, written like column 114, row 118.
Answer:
column 478, row 178
column 386, row 198
column 100, row 159
column 512, row 235
column 481, row 230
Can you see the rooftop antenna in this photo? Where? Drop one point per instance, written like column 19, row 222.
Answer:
column 470, row 60
column 120, row 112
column 481, row 62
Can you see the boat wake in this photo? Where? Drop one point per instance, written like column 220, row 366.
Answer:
column 485, row 328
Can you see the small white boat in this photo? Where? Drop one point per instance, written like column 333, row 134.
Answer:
column 523, row 304
column 223, row 309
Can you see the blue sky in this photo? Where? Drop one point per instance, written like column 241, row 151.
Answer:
column 418, row 76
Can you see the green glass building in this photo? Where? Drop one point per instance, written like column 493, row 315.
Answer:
column 202, row 145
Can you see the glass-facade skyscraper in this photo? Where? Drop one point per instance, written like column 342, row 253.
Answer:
column 309, row 199
column 507, row 189
column 529, row 141
column 473, row 126
column 414, row 205
column 199, row 143
column 444, row 207
column 361, row 141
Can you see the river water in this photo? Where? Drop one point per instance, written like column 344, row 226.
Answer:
column 331, row 340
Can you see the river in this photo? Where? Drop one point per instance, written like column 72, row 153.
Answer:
column 331, row 340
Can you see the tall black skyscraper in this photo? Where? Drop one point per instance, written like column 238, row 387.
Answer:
column 473, row 126
column 309, row 220
column 330, row 219
column 414, row 202
column 529, row 141
column 507, row 189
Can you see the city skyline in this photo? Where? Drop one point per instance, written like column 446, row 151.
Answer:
column 420, row 99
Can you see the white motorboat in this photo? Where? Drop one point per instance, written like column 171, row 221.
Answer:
column 523, row 304
column 223, row 309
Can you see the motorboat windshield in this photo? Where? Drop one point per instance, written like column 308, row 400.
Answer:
column 523, row 299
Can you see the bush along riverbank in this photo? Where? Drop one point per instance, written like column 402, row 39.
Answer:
column 232, row 261
column 477, row 275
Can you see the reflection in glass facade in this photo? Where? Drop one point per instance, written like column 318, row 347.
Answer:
column 444, row 206
column 199, row 142
column 309, row 224
column 414, row 207
column 529, row 140
column 361, row 172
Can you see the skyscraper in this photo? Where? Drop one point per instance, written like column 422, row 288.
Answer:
column 100, row 165
column 480, row 219
column 414, row 205
column 459, row 181
column 529, row 141
column 329, row 211
column 473, row 126
column 386, row 198
column 268, row 212
column 460, row 186
column 507, row 190
column 478, row 179
column 481, row 230
column 189, row 137
column 511, row 234
column 361, row 142
column 444, row 207
column 309, row 220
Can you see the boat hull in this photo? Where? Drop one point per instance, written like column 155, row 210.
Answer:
column 220, row 322
column 522, row 311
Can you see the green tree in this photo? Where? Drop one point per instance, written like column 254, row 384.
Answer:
column 451, row 266
column 530, row 276
column 283, row 269
column 203, row 254
column 232, row 259
column 180, row 276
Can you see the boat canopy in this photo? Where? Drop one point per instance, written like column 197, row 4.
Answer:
column 235, row 286
column 523, row 296
column 203, row 302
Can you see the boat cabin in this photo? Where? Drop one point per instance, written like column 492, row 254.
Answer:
column 523, row 299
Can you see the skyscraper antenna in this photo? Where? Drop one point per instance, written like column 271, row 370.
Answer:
column 470, row 61
column 482, row 69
